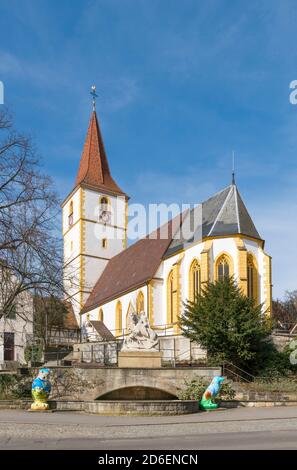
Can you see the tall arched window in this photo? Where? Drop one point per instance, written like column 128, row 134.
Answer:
column 100, row 315
column 194, row 280
column 70, row 215
column 130, row 310
column 119, row 325
column 252, row 278
column 104, row 210
column 104, row 202
column 171, row 298
column 140, row 302
column 223, row 267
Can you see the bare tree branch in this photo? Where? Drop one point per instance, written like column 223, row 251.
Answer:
column 30, row 246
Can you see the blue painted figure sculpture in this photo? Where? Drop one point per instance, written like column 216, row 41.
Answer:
column 210, row 393
column 41, row 388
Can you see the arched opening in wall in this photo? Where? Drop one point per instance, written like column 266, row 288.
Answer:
column 101, row 315
column 223, row 267
column 104, row 210
column 140, row 302
column 171, row 298
column 252, row 278
column 130, row 310
column 137, row 393
column 119, row 325
column 70, row 214
column 194, row 280
column 104, row 202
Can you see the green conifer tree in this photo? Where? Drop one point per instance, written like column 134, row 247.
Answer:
column 227, row 324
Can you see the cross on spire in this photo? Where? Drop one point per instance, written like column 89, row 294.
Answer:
column 233, row 167
column 94, row 95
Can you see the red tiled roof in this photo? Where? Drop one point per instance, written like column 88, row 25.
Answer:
column 93, row 168
column 102, row 330
column 134, row 266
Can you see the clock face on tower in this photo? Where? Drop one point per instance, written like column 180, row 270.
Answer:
column 104, row 216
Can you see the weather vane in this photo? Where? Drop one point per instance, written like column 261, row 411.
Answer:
column 94, row 95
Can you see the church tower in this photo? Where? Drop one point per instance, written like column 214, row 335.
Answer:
column 94, row 220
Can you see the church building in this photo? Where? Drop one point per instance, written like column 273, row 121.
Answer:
column 104, row 277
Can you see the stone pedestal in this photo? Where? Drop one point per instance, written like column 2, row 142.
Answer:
column 139, row 359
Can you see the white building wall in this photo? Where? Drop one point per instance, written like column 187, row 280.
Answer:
column 158, row 311
column 85, row 255
column 92, row 267
column 21, row 327
column 109, row 309
column 75, row 198
column 117, row 206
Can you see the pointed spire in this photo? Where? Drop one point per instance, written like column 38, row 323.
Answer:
column 93, row 168
column 226, row 214
column 233, row 167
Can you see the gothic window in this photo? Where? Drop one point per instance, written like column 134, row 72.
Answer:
column 129, row 311
column 104, row 210
column 104, row 202
column 223, row 268
column 70, row 216
column 252, row 278
column 194, row 280
column 101, row 316
column 119, row 326
column 140, row 302
column 171, row 298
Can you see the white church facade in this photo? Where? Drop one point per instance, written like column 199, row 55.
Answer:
column 156, row 274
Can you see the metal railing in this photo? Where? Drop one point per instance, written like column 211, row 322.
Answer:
column 103, row 353
column 174, row 354
column 235, row 373
column 259, row 383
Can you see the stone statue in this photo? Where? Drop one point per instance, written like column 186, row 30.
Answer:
column 41, row 388
column 140, row 335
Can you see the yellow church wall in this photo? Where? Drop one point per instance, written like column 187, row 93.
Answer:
column 156, row 292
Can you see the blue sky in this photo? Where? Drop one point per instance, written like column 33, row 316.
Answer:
column 180, row 84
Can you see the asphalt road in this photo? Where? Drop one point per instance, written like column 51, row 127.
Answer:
column 242, row 428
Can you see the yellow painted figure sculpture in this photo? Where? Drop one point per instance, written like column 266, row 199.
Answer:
column 41, row 388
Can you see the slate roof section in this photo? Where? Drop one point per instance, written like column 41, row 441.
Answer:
column 94, row 168
column 134, row 266
column 221, row 215
column 232, row 215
